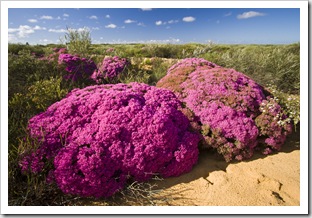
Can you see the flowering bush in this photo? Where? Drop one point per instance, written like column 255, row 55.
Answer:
column 232, row 133
column 227, row 104
column 76, row 67
column 274, row 125
column 109, row 68
column 289, row 102
column 192, row 63
column 100, row 136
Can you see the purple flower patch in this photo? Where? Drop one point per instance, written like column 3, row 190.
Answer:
column 228, row 106
column 76, row 68
column 101, row 136
column 110, row 68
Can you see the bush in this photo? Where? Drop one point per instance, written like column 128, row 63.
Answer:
column 99, row 137
column 146, row 70
column 24, row 69
column 229, row 107
column 35, row 99
column 109, row 69
column 39, row 50
column 78, row 42
column 76, row 68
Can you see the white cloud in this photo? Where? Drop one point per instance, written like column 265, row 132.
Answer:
column 12, row 30
column 65, row 15
column 171, row 40
column 82, row 29
column 146, row 9
column 12, row 38
column 45, row 41
column 249, row 14
column 32, row 20
column 189, row 19
column 165, row 41
column 141, row 24
column 39, row 28
column 228, row 14
column 58, row 18
column 130, row 21
column 158, row 22
column 112, row 26
column 57, row 30
column 79, row 29
column 107, row 16
column 46, row 17
column 93, row 17
column 95, row 28
column 23, row 31
column 173, row 21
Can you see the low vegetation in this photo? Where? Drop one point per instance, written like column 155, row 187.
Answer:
column 37, row 80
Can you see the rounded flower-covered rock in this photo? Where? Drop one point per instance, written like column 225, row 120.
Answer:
column 100, row 136
column 229, row 107
column 110, row 68
column 76, row 67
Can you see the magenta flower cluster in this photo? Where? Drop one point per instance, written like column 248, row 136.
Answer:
column 230, row 132
column 76, row 67
column 228, row 106
column 101, row 136
column 192, row 63
column 110, row 68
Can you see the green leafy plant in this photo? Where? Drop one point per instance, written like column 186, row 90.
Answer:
column 78, row 41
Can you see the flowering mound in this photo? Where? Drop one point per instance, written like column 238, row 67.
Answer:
column 193, row 64
column 100, row 136
column 76, row 67
column 229, row 106
column 110, row 68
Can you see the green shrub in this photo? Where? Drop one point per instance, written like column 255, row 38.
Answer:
column 146, row 70
column 31, row 189
column 24, row 69
column 35, row 49
column 78, row 42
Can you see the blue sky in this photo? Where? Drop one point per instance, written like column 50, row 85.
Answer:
column 157, row 25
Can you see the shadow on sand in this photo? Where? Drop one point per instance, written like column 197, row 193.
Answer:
column 209, row 162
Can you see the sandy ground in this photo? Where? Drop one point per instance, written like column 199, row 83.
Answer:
column 262, row 181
